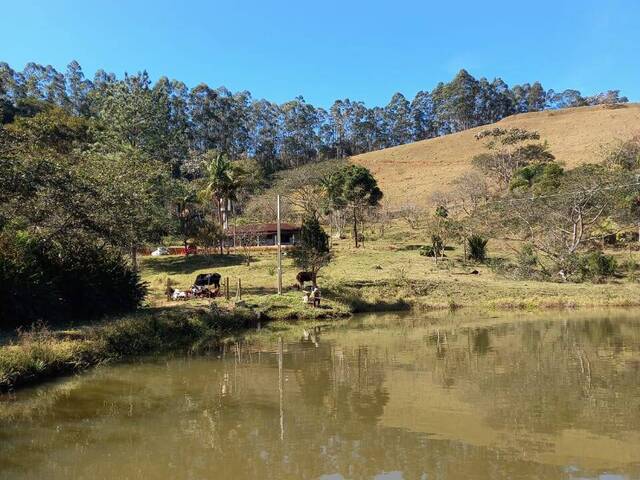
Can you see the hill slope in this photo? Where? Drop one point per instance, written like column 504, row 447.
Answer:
column 412, row 172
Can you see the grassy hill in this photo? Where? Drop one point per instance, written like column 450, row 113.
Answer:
column 412, row 172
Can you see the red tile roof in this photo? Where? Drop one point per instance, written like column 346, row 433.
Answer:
column 265, row 228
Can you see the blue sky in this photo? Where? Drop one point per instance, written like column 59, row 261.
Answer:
column 330, row 49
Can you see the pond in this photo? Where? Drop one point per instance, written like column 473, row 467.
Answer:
column 380, row 397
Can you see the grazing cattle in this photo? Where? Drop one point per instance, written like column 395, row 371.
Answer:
column 303, row 277
column 205, row 279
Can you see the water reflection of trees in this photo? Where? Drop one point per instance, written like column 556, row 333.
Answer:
column 202, row 419
column 548, row 376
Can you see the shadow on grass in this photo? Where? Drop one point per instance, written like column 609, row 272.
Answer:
column 350, row 295
column 180, row 265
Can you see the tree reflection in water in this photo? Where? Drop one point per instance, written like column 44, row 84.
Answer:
column 543, row 399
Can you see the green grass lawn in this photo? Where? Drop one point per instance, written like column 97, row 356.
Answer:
column 387, row 273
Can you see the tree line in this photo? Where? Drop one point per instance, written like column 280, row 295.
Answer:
column 175, row 123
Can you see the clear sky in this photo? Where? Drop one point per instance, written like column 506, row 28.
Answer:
column 328, row 49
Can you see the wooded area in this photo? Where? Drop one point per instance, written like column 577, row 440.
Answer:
column 90, row 171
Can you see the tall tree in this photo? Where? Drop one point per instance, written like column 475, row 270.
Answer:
column 299, row 132
column 355, row 189
column 311, row 252
column 399, row 121
column 78, row 89
column 265, row 131
column 536, row 98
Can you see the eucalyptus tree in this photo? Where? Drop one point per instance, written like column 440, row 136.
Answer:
column 265, row 127
column 133, row 115
column 220, row 119
column 399, row 120
column 422, row 112
column 299, row 132
column 172, row 97
column 78, row 89
column 340, row 121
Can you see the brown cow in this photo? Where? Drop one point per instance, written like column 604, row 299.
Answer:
column 303, row 277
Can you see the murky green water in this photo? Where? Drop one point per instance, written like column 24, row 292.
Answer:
column 392, row 397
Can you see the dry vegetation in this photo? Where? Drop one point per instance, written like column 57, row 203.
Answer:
column 413, row 172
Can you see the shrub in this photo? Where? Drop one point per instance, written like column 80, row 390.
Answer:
column 426, row 251
column 272, row 269
column 477, row 248
column 597, row 265
column 631, row 267
column 527, row 263
column 49, row 281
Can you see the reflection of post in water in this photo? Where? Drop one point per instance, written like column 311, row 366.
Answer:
column 312, row 336
column 281, row 387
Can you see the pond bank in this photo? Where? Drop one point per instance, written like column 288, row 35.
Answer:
column 42, row 354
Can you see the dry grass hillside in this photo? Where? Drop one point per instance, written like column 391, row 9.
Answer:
column 412, row 172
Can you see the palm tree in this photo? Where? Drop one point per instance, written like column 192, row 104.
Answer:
column 224, row 181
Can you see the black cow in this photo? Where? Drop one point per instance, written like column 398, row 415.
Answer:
column 303, row 277
column 204, row 279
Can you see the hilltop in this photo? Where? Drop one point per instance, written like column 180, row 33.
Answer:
column 412, row 172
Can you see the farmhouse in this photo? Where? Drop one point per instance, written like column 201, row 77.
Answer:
column 264, row 234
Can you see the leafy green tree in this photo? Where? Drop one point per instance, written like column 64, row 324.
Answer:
column 311, row 252
column 77, row 88
column 509, row 150
column 539, row 178
column 264, row 134
column 536, row 98
column 355, row 189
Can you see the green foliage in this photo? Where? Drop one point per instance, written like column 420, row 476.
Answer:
column 631, row 266
column 353, row 188
column 426, row 251
column 509, row 150
column 477, row 248
column 541, row 178
column 441, row 211
column 437, row 244
column 312, row 250
column 597, row 266
column 54, row 280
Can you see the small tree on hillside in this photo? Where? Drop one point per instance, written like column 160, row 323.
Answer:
column 355, row 189
column 509, row 150
column 311, row 253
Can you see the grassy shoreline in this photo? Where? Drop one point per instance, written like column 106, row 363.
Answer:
column 42, row 354
column 388, row 275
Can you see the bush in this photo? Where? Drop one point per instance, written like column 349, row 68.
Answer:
column 50, row 281
column 597, row 265
column 426, row 251
column 477, row 248
column 631, row 267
